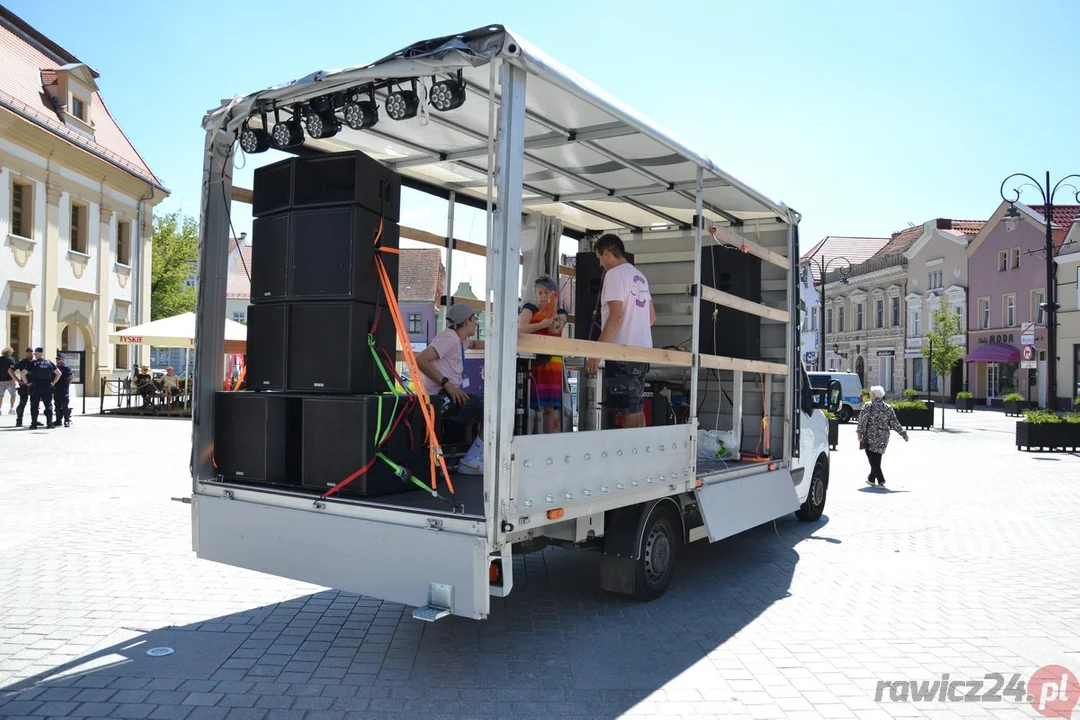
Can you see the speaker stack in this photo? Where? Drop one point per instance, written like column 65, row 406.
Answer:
column 733, row 333
column 587, row 289
column 316, row 396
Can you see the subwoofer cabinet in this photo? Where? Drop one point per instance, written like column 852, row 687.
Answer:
column 341, row 434
column 267, row 347
column 734, row 333
column 327, row 349
column 257, row 437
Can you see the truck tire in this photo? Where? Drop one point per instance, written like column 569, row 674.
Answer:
column 661, row 543
column 815, row 499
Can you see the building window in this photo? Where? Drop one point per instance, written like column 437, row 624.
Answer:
column 828, row 320
column 933, row 377
column 240, row 316
column 984, row 313
column 935, row 280
column 22, row 210
column 122, row 360
column 895, row 311
column 78, row 108
column 1015, row 258
column 1000, row 379
column 415, row 322
column 1038, row 314
column 859, row 316
column 887, row 373
column 123, row 242
column 916, row 373
column 960, row 318
column 1010, row 311
column 840, row 319
column 879, row 314
column 915, row 324
column 78, row 228
column 1003, row 261
column 18, row 334
column 1076, row 370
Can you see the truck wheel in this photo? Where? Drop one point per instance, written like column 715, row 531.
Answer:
column 815, row 500
column 844, row 415
column 660, row 545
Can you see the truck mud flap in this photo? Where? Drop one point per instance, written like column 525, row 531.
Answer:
column 729, row 507
column 396, row 563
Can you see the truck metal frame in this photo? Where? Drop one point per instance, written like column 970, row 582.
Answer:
column 537, row 138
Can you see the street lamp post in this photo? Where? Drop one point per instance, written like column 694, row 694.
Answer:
column 1012, row 217
column 824, row 269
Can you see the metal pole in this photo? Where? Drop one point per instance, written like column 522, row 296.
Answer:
column 450, row 247
column 695, row 366
column 821, row 307
column 1051, row 307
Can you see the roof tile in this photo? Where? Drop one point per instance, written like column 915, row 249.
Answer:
column 420, row 276
column 853, row 249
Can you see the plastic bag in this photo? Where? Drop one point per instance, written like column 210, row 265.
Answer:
column 717, row 445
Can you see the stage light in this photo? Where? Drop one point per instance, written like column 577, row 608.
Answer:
column 287, row 133
column 322, row 124
column 447, row 95
column 361, row 114
column 254, row 140
column 402, row 105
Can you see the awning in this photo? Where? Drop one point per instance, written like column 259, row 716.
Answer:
column 178, row 331
column 994, row 352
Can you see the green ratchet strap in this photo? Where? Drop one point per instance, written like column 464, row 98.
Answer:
column 407, row 476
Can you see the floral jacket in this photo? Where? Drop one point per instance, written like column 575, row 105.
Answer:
column 875, row 421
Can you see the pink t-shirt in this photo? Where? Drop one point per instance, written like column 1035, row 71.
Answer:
column 626, row 284
column 450, row 360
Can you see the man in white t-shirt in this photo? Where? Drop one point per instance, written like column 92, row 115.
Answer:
column 627, row 316
column 442, row 363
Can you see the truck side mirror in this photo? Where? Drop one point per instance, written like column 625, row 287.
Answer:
column 836, row 396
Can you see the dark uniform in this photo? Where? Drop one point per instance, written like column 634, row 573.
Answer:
column 42, row 372
column 60, row 393
column 24, row 387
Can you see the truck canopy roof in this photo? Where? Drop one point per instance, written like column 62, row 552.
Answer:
column 589, row 159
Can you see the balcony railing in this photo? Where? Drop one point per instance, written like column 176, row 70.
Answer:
column 872, row 265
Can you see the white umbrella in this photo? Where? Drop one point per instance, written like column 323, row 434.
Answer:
column 178, row 331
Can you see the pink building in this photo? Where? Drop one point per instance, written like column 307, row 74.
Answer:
column 1007, row 283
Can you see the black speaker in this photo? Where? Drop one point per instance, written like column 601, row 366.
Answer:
column 267, row 335
column 347, row 178
column 341, row 435
column 256, row 437
column 734, row 333
column 328, row 347
column 331, row 254
column 588, row 274
column 272, row 188
column 269, row 253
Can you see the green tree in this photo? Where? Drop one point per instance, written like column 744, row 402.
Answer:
column 946, row 354
column 175, row 252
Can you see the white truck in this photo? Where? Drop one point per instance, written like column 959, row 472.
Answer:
column 496, row 124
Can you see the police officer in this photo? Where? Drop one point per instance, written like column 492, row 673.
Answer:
column 43, row 378
column 22, row 378
column 60, row 392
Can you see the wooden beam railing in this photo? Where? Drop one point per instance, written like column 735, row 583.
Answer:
column 730, row 237
column 245, row 195
column 748, row 306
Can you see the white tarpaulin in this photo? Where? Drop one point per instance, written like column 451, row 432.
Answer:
column 178, row 331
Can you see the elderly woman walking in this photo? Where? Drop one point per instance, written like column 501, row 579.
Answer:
column 875, row 422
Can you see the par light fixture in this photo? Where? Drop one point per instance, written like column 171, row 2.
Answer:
column 361, row 114
column 287, row 133
column 403, row 104
column 448, row 94
column 322, row 124
column 254, row 140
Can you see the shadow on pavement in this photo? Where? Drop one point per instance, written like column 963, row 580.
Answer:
column 556, row 639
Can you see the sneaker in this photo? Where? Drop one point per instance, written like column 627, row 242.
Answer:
column 473, row 461
column 869, row 482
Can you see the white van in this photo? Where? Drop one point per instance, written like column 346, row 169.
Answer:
column 852, row 388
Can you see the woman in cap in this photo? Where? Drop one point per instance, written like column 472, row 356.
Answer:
column 545, row 317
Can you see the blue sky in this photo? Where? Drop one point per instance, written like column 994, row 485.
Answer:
column 864, row 116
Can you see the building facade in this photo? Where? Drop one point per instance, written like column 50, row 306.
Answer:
column 76, row 209
column 421, row 286
column 937, row 277
column 1068, row 298
column 834, row 255
column 1007, row 270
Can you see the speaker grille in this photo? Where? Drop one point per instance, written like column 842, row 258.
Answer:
column 266, row 347
column 328, row 348
column 255, row 437
column 269, row 250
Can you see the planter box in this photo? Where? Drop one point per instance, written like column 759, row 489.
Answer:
column 1015, row 409
column 965, row 404
column 1047, row 436
column 916, row 418
column 834, row 433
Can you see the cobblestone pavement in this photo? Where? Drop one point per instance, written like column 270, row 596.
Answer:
column 967, row 565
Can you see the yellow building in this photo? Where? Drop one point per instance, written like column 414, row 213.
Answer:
column 76, row 208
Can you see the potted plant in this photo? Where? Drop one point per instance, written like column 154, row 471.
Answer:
column 1046, row 430
column 912, row 412
column 1015, row 404
column 834, row 429
column 964, row 402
